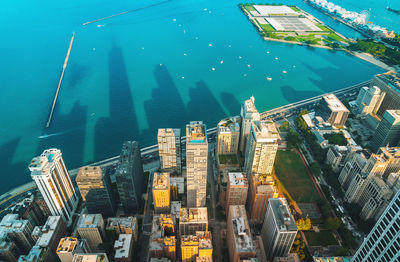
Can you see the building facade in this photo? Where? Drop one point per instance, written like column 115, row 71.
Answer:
column 69, row 246
column 237, row 188
column 388, row 131
column 169, row 149
column 332, row 110
column 54, row 183
column 196, row 163
column 389, row 83
column 279, row 229
column 129, row 177
column 123, row 225
column 91, row 228
column 248, row 113
column 95, row 187
column 261, row 148
column 192, row 220
column 369, row 100
column 228, row 134
column 161, row 192
column 194, row 246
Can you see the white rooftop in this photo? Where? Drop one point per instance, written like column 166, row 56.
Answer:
column 123, row 245
column 237, row 179
column 334, row 103
column 274, row 10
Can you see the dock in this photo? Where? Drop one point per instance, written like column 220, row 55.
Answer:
column 125, row 12
column 60, row 81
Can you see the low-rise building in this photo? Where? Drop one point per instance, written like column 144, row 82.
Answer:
column 91, row 228
column 198, row 245
column 93, row 257
column 69, row 246
column 237, row 187
column 123, row 248
column 161, row 192
column 332, row 110
column 162, row 238
column 336, row 156
column 123, row 225
column 192, row 220
column 51, row 233
column 9, row 251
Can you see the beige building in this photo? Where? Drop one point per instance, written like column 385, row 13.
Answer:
column 97, row 257
column 336, row 156
column 161, row 192
column 69, row 246
column 238, row 234
column 332, row 110
column 162, row 238
column 237, row 187
column 228, row 132
column 96, row 191
column 262, row 188
column 198, row 245
column 369, row 100
column 261, row 148
column 169, row 149
column 387, row 132
column 192, row 220
column 91, row 228
column 123, row 225
column 389, row 83
column 196, row 163
column 248, row 113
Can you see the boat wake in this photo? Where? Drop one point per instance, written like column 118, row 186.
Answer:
column 50, row 135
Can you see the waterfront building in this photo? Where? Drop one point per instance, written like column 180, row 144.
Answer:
column 388, row 131
column 369, row 100
column 129, row 177
column 123, row 247
column 238, row 234
column 279, row 229
column 196, row 163
column 262, row 188
column 382, row 242
column 389, row 83
column 38, row 254
column 18, row 231
column 91, row 228
column 123, row 225
column 237, row 187
column 69, row 246
column 162, row 238
column 169, row 149
column 92, row 257
column 161, row 192
column 248, row 113
column 261, row 148
column 9, row 251
column 95, row 187
column 52, row 178
column 192, row 220
column 228, row 134
column 336, row 156
column 332, row 110
column 198, row 245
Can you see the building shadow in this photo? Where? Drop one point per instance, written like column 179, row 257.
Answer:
column 230, row 103
column 11, row 173
column 67, row 133
column 293, row 95
column 203, row 105
column 166, row 107
column 121, row 125
column 77, row 72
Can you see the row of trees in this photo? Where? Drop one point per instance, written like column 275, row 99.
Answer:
column 387, row 54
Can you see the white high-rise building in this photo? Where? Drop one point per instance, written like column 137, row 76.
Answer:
column 369, row 100
column 169, row 149
column 249, row 113
column 52, row 178
column 279, row 229
column 196, row 163
column 383, row 242
column 261, row 148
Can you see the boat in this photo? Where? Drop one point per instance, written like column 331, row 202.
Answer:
column 284, row 71
column 269, row 78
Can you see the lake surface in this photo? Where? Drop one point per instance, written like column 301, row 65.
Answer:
column 129, row 75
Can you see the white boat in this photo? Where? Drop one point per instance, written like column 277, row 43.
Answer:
column 269, row 78
column 222, row 61
column 276, row 58
column 284, row 71
column 209, row 44
column 213, row 68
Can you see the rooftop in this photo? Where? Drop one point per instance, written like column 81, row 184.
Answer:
column 98, row 257
column 41, row 164
column 391, row 78
column 89, row 172
column 334, row 103
column 162, row 225
column 237, row 179
column 129, row 149
column 161, row 181
column 48, row 231
column 198, row 214
column 249, row 105
column 34, row 255
column 242, row 234
column 228, row 126
column 169, row 132
column 123, row 245
column 393, row 116
column 127, row 222
column 67, row 244
column 268, row 10
column 89, row 221
column 179, row 182
column 196, row 132
column 284, row 219
column 387, row 153
column 265, row 131
column 175, row 208
column 202, row 239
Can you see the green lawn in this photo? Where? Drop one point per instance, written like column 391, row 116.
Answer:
column 228, row 159
column 294, row 8
column 267, row 27
column 250, row 8
column 323, row 28
column 294, row 177
column 322, row 238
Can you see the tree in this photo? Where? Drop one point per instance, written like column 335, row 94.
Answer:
column 303, row 224
column 332, row 223
column 315, row 168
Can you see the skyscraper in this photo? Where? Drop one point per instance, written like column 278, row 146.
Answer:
column 261, row 148
column 369, row 100
column 332, row 110
column 196, row 163
column 169, row 149
column 91, row 228
column 228, row 136
column 236, row 192
column 95, row 187
column 383, row 242
column 161, row 192
column 249, row 113
column 129, row 177
column 279, row 229
column 52, row 178
column 388, row 130
column 389, row 83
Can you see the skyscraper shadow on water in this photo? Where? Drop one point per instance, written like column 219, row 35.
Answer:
column 230, row 103
column 166, row 107
column 292, row 95
column 203, row 105
column 121, row 125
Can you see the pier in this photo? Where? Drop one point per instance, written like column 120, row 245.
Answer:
column 60, row 81
column 125, row 12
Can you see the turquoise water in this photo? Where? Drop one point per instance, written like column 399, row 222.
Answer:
column 141, row 71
